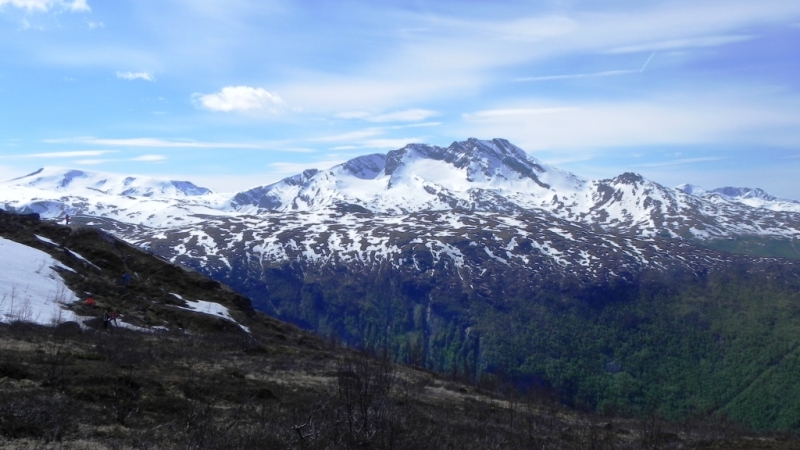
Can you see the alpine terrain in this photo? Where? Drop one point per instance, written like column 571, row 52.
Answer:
column 619, row 295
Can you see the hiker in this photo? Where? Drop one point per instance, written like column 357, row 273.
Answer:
column 126, row 278
column 114, row 316
column 106, row 318
column 66, row 219
column 90, row 302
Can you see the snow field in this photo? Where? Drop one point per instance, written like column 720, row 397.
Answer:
column 30, row 289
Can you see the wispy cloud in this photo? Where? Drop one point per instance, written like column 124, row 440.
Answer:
column 415, row 125
column 696, row 118
column 350, row 136
column 407, row 115
column 681, row 162
column 47, row 5
column 73, row 154
column 153, row 142
column 674, row 44
column 517, row 112
column 240, row 99
column 150, row 158
column 608, row 73
column 130, row 76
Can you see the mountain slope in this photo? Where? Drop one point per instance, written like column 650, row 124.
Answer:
column 207, row 383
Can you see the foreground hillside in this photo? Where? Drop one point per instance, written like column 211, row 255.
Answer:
column 177, row 377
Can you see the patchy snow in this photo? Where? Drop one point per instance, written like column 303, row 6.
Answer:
column 30, row 289
column 45, row 240
column 210, row 308
column 76, row 255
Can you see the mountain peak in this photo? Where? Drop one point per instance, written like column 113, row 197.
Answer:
column 691, row 189
column 744, row 193
column 417, row 177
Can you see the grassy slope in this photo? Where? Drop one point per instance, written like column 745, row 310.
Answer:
column 217, row 387
column 756, row 246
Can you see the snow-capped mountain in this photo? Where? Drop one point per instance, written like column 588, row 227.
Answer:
column 474, row 175
column 479, row 218
column 72, row 181
column 756, row 198
column 496, row 176
column 54, row 192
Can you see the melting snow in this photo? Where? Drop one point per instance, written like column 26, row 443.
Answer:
column 30, row 290
column 210, row 308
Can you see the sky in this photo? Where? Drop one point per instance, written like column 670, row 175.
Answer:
column 232, row 94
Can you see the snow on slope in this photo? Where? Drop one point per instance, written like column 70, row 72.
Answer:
column 754, row 198
column 55, row 192
column 65, row 180
column 30, row 289
column 473, row 175
column 210, row 308
column 419, row 177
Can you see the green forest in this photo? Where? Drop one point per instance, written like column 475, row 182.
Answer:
column 677, row 344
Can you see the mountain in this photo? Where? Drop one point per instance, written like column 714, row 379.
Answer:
column 69, row 181
column 480, row 176
column 756, row 198
column 55, row 192
column 477, row 259
column 469, row 175
column 178, row 373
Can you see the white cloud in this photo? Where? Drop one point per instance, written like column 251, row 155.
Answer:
column 147, row 76
column 240, row 98
column 79, row 5
column 73, row 154
column 150, row 158
column 46, row 5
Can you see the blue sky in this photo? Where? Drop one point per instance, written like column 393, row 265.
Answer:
column 236, row 93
